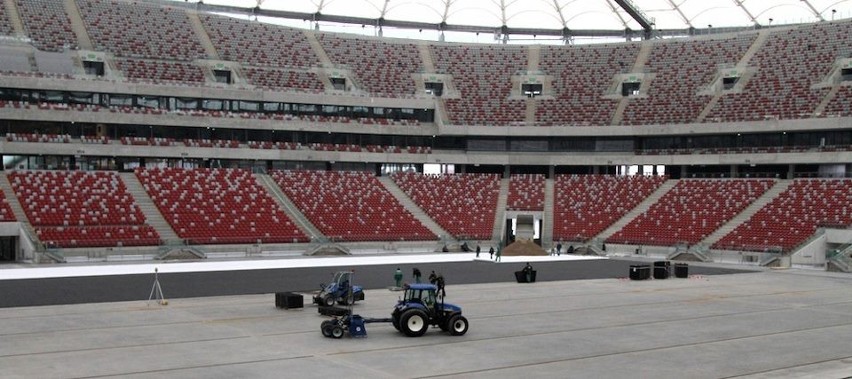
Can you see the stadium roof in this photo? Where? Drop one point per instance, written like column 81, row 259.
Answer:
column 505, row 19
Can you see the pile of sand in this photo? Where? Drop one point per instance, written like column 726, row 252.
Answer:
column 523, row 247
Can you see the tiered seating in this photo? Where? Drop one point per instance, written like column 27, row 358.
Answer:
column 788, row 64
column 581, row 75
column 140, row 30
column 382, row 67
column 463, row 204
column 793, row 216
column 34, row 137
column 585, row 205
column 81, row 209
column 47, row 24
column 218, row 206
column 350, row 206
column 682, row 68
column 6, row 213
column 142, row 141
column 483, row 75
column 281, row 79
column 232, row 144
column 691, row 211
column 6, row 28
column 259, row 44
column 95, row 140
column 841, row 104
column 526, row 192
column 151, row 71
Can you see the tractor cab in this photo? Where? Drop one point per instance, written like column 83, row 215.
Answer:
column 421, row 307
column 423, row 294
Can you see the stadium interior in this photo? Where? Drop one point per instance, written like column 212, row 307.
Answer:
column 154, row 130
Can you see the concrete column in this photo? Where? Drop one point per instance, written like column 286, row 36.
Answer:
column 734, row 171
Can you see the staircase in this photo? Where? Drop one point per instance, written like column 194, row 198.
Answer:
column 318, row 50
column 827, row 99
column 203, row 37
column 426, row 56
column 152, row 214
column 548, row 216
column 641, row 208
column 291, row 209
column 17, row 209
column 746, row 214
column 500, row 214
column 414, row 209
column 638, row 66
column 77, row 25
column 533, row 57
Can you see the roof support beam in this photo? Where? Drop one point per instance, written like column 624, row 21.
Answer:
column 816, row 12
column 637, row 15
column 739, row 3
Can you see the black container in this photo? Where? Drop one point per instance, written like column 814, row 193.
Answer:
column 640, row 272
column 521, row 277
column 662, row 269
column 289, row 300
column 681, row 270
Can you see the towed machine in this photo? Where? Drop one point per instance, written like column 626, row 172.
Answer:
column 340, row 290
column 412, row 315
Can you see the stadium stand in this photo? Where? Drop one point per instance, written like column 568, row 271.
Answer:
column 691, row 210
column 218, row 206
column 350, row 206
column 463, row 204
column 483, row 75
column 259, row 44
column 793, row 216
column 140, row 30
column 151, row 71
column 585, row 205
column 788, row 64
column 277, row 79
column 382, row 68
column 581, row 74
column 526, row 192
column 682, row 68
column 47, row 24
column 81, row 209
column 6, row 213
column 5, row 25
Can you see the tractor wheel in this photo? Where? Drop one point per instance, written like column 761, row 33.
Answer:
column 326, row 328
column 414, row 323
column 336, row 331
column 457, row 325
column 350, row 300
column 395, row 320
column 328, row 300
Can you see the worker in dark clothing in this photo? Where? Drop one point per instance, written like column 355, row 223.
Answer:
column 433, row 278
column 570, row 250
column 559, row 248
column 439, row 282
column 528, row 272
column 491, row 252
column 478, row 249
column 397, row 276
column 416, row 273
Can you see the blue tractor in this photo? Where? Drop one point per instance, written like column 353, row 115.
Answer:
column 420, row 308
column 412, row 315
column 340, row 290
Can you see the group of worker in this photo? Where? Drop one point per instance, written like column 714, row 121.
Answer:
column 435, row 279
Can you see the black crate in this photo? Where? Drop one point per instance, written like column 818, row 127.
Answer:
column 288, row 300
column 640, row 272
column 681, row 270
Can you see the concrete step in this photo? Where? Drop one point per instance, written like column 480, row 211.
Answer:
column 414, row 209
column 746, row 214
column 152, row 214
column 289, row 208
column 500, row 215
column 639, row 209
column 77, row 25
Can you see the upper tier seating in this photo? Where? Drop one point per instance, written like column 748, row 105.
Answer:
column 793, row 216
column 526, row 192
column 281, row 79
column 683, row 68
column 350, row 206
column 140, row 30
column 6, row 28
column 47, row 24
column 692, row 210
column 585, row 205
column 151, row 71
column 841, row 104
column 218, row 206
column 381, row 67
column 6, row 213
column 483, row 75
column 463, row 204
column 81, row 209
column 259, row 44
column 788, row 64
column 581, row 74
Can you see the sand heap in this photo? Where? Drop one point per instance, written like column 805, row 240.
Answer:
column 523, row 247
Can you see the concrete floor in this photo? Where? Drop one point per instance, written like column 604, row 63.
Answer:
column 770, row 324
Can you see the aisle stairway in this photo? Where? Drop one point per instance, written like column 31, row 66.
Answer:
column 415, row 210
column 641, row 208
column 149, row 209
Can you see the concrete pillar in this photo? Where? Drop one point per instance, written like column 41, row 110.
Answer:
column 551, row 172
column 791, row 171
column 734, row 171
